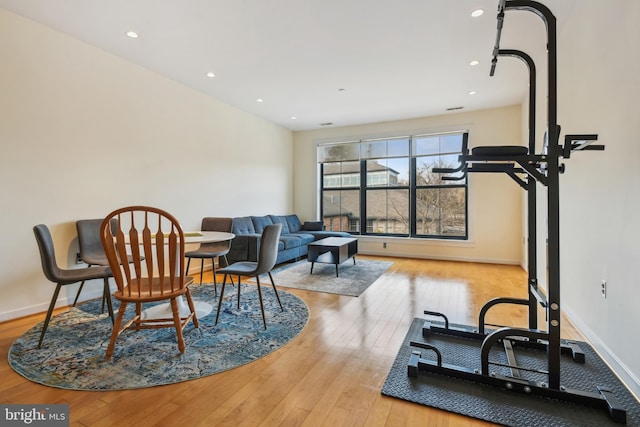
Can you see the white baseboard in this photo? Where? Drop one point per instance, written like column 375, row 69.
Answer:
column 440, row 258
column 63, row 301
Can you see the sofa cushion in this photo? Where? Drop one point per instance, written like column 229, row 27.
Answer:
column 294, row 223
column 305, row 237
column 280, row 219
column 291, row 241
column 243, row 225
column 260, row 222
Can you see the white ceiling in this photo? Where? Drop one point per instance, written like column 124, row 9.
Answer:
column 343, row 62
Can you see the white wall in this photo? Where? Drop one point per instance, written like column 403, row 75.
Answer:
column 83, row 132
column 495, row 210
column 599, row 92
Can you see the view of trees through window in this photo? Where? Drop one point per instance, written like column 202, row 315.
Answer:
column 389, row 187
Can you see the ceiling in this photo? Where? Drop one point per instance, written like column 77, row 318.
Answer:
column 324, row 62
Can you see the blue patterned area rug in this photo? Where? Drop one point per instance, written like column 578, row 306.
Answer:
column 72, row 353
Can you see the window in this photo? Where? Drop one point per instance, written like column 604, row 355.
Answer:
column 388, row 186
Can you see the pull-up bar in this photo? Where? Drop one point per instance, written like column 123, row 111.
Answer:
column 496, row 46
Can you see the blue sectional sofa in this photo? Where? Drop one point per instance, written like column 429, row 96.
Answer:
column 294, row 238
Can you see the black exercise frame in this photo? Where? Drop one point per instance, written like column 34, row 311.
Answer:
column 526, row 170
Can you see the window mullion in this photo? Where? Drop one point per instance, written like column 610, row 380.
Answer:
column 412, row 197
column 363, row 197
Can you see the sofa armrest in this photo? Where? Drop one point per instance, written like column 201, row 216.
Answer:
column 313, row 226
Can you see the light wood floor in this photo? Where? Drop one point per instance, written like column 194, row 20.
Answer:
column 331, row 374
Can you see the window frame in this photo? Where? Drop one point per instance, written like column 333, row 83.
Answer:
column 412, row 187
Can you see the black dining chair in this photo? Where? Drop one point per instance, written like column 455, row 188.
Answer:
column 212, row 250
column 64, row 277
column 90, row 246
column 268, row 253
column 91, row 251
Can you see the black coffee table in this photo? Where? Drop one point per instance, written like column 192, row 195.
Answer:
column 332, row 250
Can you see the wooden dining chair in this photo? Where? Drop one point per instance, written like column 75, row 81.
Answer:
column 153, row 241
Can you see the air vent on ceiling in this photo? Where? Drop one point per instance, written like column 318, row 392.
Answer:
column 454, row 108
column 326, row 124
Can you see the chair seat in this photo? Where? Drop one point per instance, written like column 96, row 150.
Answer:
column 207, row 252
column 159, row 291
column 67, row 277
column 95, row 259
column 245, row 268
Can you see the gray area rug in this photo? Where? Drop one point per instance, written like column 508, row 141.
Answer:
column 72, row 354
column 498, row 405
column 353, row 279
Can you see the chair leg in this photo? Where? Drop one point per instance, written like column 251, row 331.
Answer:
column 188, row 263
column 201, row 269
column 226, row 261
column 107, row 295
column 275, row 290
column 116, row 330
column 224, row 282
column 238, row 292
column 178, row 324
column 103, row 301
column 192, row 307
column 75, row 301
column 264, row 320
column 52, row 304
column 215, row 281
column 138, row 321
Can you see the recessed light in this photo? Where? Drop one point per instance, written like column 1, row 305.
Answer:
column 293, row 117
column 472, row 92
column 210, row 75
column 132, row 34
column 477, row 12
column 474, row 62
column 259, row 100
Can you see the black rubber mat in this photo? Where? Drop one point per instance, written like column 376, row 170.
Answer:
column 498, row 405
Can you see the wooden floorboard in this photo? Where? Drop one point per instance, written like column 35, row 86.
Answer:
column 330, row 375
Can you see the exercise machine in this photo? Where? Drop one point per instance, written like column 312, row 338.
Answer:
column 527, row 169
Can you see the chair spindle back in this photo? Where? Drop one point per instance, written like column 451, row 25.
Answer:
column 147, row 246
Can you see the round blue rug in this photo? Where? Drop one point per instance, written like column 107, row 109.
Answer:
column 72, row 353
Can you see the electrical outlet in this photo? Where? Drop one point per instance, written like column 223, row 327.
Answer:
column 78, row 259
column 384, row 245
column 603, row 288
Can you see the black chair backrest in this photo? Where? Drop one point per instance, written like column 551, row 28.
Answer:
column 268, row 248
column 89, row 239
column 47, row 253
column 216, row 224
